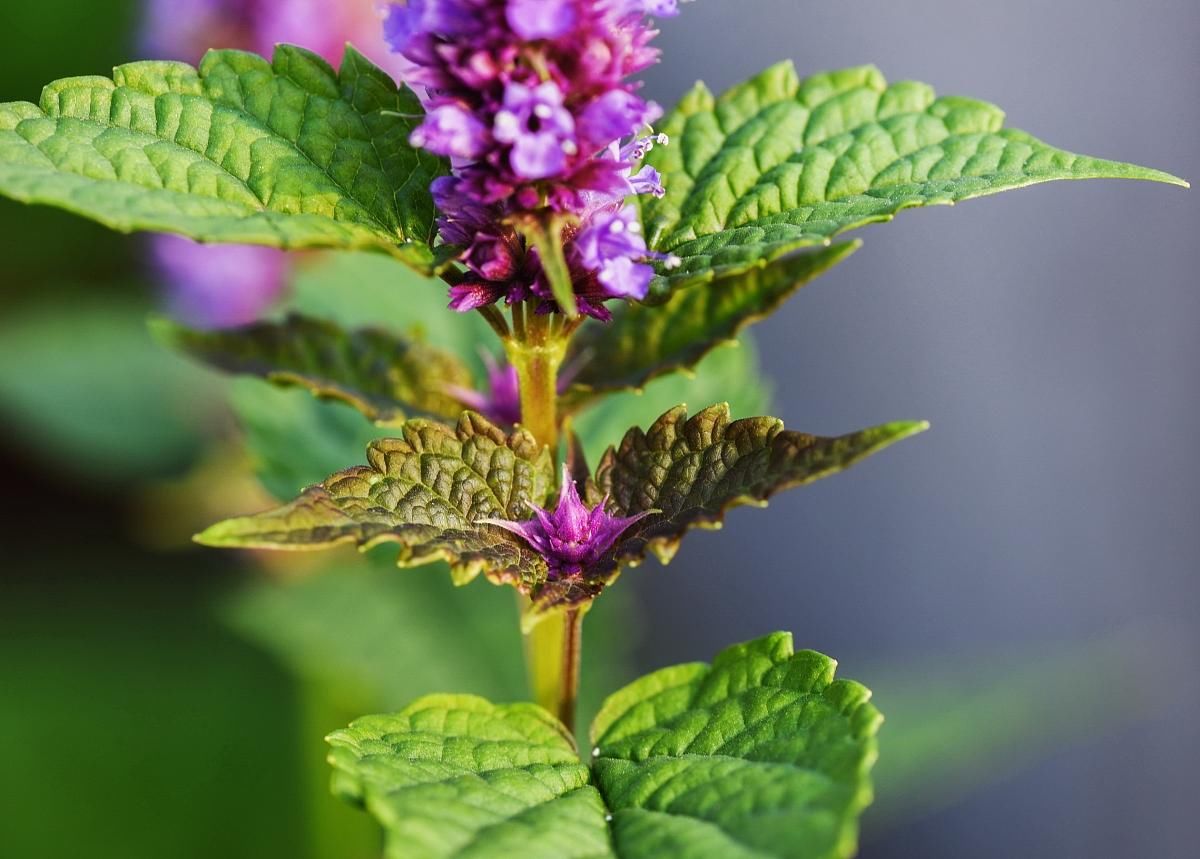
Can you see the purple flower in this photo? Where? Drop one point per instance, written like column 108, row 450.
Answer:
column 608, row 245
column 541, row 19
column 573, row 538
column 452, row 130
column 218, row 286
column 540, row 130
column 532, row 100
column 502, row 403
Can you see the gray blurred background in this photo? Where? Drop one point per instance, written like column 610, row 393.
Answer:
column 1050, row 336
column 1018, row 584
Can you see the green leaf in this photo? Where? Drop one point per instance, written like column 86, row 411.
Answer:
column 693, row 470
column 358, row 290
column 126, row 411
column 294, row 439
column 287, row 153
column 642, row 343
column 454, row 775
column 373, row 370
column 762, row 754
column 425, row 490
column 778, row 163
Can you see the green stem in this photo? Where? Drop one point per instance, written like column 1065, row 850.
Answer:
column 552, row 646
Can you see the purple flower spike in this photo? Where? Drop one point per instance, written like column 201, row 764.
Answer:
column 532, row 101
column 573, row 538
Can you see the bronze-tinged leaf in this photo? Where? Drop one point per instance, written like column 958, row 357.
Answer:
column 377, row 372
column 644, row 342
column 425, row 490
column 694, row 469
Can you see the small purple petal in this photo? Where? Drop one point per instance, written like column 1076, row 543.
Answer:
column 541, row 19
column 471, row 295
column 452, row 130
column 614, row 115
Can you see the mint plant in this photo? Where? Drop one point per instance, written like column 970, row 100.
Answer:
column 605, row 243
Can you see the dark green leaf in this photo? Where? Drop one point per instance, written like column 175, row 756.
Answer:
column 642, row 342
column 285, row 153
column 692, row 470
column 373, row 370
column 729, row 372
column 425, row 490
column 778, row 163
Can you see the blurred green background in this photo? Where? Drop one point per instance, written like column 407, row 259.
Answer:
column 157, row 700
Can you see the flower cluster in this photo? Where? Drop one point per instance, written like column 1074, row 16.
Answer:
column 530, row 101
column 572, row 538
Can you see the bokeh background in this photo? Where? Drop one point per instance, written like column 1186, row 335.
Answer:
column 1018, row 585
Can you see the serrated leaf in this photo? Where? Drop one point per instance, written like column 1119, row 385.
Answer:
column 761, row 754
column 729, row 372
column 425, row 490
column 693, row 470
column 457, row 776
column 377, row 372
column 287, row 153
column 643, row 343
column 778, row 163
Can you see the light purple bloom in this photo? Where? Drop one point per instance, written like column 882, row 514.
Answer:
column 540, row 130
column 541, row 19
column 573, row 538
column 218, row 286
column 608, row 245
column 452, row 130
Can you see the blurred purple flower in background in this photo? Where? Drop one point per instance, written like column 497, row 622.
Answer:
column 218, row 286
column 502, row 402
column 226, row 285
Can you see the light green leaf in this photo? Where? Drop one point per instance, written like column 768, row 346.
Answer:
column 457, row 776
column 286, row 153
column 778, row 163
column 373, row 370
column 761, row 755
column 425, row 490
column 693, row 470
column 642, row 343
